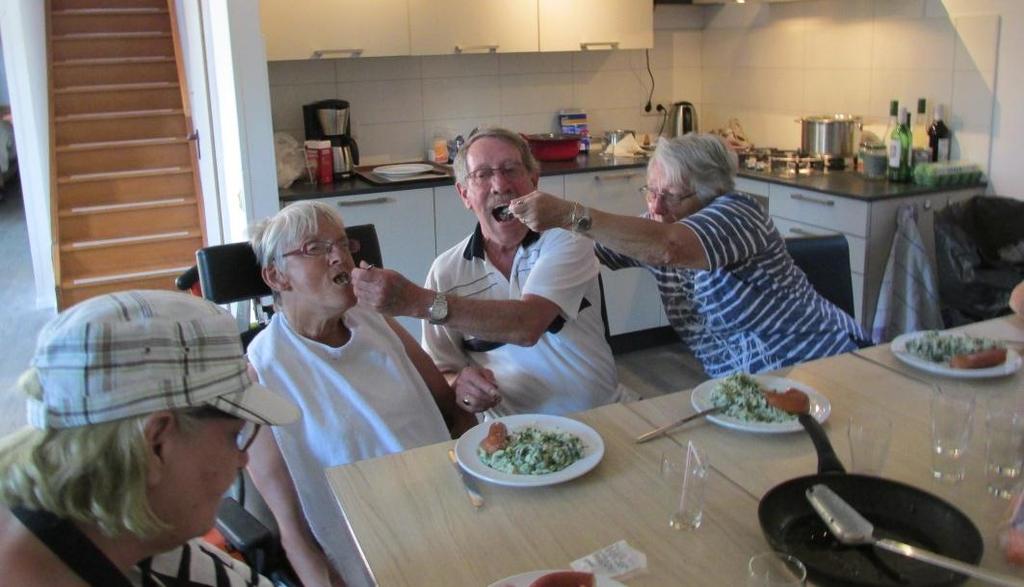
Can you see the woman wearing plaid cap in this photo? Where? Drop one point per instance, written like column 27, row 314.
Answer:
column 141, row 411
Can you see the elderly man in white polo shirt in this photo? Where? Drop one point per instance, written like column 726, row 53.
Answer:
column 515, row 316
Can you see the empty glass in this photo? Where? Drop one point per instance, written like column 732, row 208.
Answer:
column 952, row 416
column 686, row 472
column 775, row 569
column 869, row 435
column 1003, row 451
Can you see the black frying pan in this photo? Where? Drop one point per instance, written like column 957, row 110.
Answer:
column 898, row 511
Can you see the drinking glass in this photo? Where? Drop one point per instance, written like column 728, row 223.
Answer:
column 869, row 435
column 775, row 569
column 952, row 416
column 686, row 472
column 1003, row 451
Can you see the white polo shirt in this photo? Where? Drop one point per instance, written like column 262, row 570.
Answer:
column 571, row 367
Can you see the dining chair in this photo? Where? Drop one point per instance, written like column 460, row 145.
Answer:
column 825, row 260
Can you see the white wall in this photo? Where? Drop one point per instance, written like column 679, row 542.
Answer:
column 23, row 30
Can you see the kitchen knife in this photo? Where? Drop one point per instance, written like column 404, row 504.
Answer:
column 659, row 431
column 468, row 483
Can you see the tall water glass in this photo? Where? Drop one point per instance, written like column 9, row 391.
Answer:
column 1003, row 451
column 952, row 417
column 686, row 472
column 775, row 569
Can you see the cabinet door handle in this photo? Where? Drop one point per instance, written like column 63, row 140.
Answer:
column 802, row 232
column 320, row 53
column 591, row 44
column 611, row 176
column 804, row 198
column 350, row 203
column 477, row 48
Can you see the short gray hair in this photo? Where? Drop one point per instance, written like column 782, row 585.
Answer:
column 288, row 228
column 461, row 166
column 700, row 160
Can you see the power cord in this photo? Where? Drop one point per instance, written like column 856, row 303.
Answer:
column 664, row 118
column 647, row 106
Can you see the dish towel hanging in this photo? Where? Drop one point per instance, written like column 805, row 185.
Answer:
column 908, row 299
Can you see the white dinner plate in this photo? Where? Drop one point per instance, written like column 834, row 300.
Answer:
column 820, row 406
column 524, row 580
column 403, row 169
column 593, row 450
column 899, row 349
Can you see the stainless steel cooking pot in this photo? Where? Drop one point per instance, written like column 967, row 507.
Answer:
column 830, row 135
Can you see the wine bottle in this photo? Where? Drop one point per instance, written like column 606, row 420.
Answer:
column 938, row 136
column 899, row 149
column 893, row 121
column 920, row 128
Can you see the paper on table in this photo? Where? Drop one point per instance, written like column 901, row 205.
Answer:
column 625, row 147
column 619, row 561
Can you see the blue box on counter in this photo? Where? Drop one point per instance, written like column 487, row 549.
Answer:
column 574, row 122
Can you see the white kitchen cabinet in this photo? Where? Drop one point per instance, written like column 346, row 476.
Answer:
column 405, row 229
column 440, row 27
column 454, row 222
column 334, row 28
column 575, row 25
column 631, row 295
column 869, row 226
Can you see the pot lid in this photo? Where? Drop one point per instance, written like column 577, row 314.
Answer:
column 826, row 118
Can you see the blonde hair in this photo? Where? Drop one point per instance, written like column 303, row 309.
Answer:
column 94, row 474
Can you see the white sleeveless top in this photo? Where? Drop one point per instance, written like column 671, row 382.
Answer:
column 362, row 400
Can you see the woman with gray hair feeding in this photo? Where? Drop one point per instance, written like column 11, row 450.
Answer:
column 730, row 289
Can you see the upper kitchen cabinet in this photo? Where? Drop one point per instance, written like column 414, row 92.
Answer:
column 335, row 28
column 574, row 25
column 444, row 27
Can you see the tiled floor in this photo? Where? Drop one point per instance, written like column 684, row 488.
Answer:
column 648, row 372
column 20, row 321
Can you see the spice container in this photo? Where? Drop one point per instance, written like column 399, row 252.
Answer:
column 875, row 161
column 326, row 159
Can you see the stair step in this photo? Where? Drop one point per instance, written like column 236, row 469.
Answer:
column 171, row 272
column 129, row 240
column 114, row 61
column 109, row 36
column 121, row 114
column 116, row 88
column 125, row 190
column 107, row 11
column 105, row 208
column 100, row 145
column 108, row 175
column 90, row 4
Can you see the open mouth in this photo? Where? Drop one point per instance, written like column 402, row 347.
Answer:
column 343, row 278
column 502, row 213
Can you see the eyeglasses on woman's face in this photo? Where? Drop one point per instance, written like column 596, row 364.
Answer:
column 669, row 197
column 321, row 248
column 484, row 175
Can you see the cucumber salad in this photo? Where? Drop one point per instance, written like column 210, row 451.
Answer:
column 531, row 451
column 940, row 348
column 740, row 397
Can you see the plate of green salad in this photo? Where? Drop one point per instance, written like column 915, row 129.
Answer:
column 538, row 450
column 744, row 407
column 932, row 351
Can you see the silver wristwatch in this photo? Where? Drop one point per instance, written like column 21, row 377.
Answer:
column 437, row 312
column 579, row 221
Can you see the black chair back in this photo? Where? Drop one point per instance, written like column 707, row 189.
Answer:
column 826, row 262
column 230, row 273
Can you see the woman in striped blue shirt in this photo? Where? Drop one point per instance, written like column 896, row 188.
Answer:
column 730, row 289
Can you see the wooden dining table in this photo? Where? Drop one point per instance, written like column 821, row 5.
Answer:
column 414, row 523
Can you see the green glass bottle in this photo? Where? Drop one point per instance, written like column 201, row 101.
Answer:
column 899, row 149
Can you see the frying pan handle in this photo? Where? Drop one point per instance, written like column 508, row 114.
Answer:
column 828, row 462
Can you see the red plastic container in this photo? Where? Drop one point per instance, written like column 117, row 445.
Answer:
column 554, row 147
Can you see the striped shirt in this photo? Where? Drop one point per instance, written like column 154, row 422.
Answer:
column 753, row 310
column 195, row 564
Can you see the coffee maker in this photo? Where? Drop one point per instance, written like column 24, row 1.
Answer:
column 329, row 119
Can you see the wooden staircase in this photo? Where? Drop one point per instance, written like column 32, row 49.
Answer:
column 126, row 204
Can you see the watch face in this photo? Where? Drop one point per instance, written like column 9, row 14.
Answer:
column 583, row 224
column 438, row 311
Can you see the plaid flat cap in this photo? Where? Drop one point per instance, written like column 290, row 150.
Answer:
column 136, row 352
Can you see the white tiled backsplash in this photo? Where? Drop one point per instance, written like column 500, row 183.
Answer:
column 765, row 64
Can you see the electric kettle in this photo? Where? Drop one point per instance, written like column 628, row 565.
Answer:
column 684, row 119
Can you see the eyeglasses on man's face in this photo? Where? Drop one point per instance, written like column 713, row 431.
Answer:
column 484, row 175
column 320, row 248
column 245, row 436
column 670, row 198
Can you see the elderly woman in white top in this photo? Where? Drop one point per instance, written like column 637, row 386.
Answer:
column 364, row 386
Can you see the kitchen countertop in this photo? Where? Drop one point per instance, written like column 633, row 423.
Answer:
column 847, row 184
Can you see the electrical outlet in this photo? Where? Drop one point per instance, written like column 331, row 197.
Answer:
column 656, row 111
